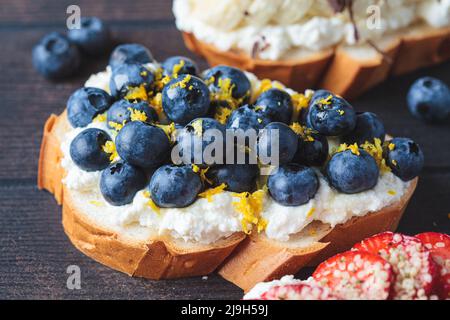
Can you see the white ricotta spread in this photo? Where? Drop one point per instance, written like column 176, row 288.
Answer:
column 207, row 221
column 282, row 27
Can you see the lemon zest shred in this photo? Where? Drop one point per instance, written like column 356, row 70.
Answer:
column 110, row 148
column 156, row 103
column 325, row 101
column 210, row 193
column 375, row 149
column 394, row 162
column 137, row 93
column 392, row 192
column 198, row 127
column 168, row 129
column 352, row 147
column 303, row 131
column 310, row 212
column 222, row 114
column 267, row 84
column 151, row 203
column 250, row 205
column 201, row 173
column 391, row 146
column 301, row 101
column 137, row 115
column 100, row 118
column 341, row 112
column 117, row 126
column 210, row 81
column 183, row 83
column 96, row 203
column 176, row 68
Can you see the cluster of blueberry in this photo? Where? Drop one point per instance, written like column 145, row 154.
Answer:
column 57, row 55
column 138, row 154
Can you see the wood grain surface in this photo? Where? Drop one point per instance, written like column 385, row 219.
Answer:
column 34, row 251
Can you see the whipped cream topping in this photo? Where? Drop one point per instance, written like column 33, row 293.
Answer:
column 278, row 29
column 208, row 221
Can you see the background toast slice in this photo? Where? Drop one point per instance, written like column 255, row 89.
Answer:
column 347, row 71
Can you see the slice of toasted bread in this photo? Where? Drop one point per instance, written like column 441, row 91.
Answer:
column 258, row 259
column 345, row 70
column 138, row 251
column 134, row 250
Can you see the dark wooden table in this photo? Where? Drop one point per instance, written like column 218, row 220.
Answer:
column 34, row 251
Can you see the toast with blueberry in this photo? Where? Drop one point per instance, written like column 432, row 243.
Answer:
column 346, row 47
column 151, row 185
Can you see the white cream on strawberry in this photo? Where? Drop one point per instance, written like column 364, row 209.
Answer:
column 208, row 221
column 283, row 27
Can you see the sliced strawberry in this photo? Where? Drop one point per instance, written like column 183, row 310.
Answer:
column 439, row 246
column 443, row 287
column 414, row 269
column 301, row 291
column 356, row 275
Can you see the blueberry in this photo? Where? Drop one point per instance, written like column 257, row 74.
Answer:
column 121, row 110
column 185, row 98
column 85, row 103
column 312, row 150
column 352, row 173
column 142, row 144
column 92, row 37
column 368, row 127
column 217, row 76
column 293, row 185
column 174, row 186
column 55, row 57
column 332, row 116
column 429, row 100
column 247, row 117
column 181, row 65
column 196, row 137
column 120, row 182
column 130, row 53
column 320, row 94
column 277, row 104
column 127, row 77
column 404, row 157
column 237, row 177
column 304, row 112
column 86, row 150
column 279, row 136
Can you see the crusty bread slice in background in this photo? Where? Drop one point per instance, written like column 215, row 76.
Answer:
column 258, row 259
column 422, row 46
column 345, row 70
column 362, row 65
column 303, row 72
column 134, row 250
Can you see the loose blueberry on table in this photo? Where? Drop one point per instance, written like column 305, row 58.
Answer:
column 156, row 108
column 55, row 57
column 92, row 37
column 429, row 100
